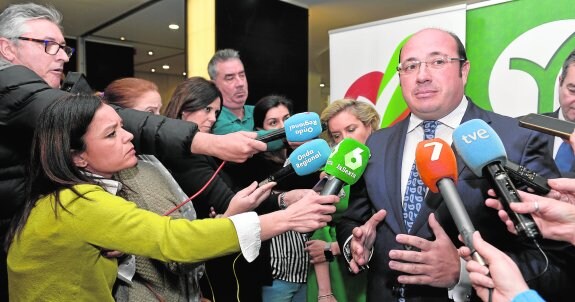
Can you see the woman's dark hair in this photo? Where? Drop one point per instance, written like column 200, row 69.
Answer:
column 58, row 136
column 193, row 94
column 266, row 103
column 260, row 110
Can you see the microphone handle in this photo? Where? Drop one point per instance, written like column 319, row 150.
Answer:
column 272, row 136
column 507, row 193
column 460, row 216
column 332, row 186
column 278, row 175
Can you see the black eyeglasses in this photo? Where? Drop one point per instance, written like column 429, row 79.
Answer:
column 51, row 47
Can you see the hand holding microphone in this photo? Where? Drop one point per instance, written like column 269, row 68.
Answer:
column 345, row 165
column 555, row 219
column 437, row 168
column 483, row 152
column 502, row 281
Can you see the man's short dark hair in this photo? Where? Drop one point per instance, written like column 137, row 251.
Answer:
column 568, row 62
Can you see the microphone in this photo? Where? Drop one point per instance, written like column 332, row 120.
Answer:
column 437, row 168
column 345, row 165
column 483, row 152
column 304, row 160
column 299, row 127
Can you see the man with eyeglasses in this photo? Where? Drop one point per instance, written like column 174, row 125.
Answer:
column 562, row 151
column 39, row 35
column 32, row 57
column 414, row 251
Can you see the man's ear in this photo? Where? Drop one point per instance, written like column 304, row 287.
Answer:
column 79, row 160
column 7, row 49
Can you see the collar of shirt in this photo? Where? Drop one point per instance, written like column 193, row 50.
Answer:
column 447, row 125
column 452, row 120
column 227, row 115
column 110, row 185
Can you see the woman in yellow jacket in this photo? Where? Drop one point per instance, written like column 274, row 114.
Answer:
column 72, row 213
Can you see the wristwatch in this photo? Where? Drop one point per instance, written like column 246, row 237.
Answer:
column 282, row 203
column 327, row 252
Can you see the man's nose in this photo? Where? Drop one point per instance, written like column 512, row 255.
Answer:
column 61, row 55
column 423, row 72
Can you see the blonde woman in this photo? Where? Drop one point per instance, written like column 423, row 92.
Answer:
column 329, row 280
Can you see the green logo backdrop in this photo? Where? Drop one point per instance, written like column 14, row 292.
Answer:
column 491, row 29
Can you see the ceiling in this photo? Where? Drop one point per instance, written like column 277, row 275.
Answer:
column 144, row 25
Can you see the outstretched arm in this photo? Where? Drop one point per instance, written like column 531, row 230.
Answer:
column 555, row 219
column 503, row 275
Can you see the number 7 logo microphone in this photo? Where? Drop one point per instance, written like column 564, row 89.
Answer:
column 437, row 168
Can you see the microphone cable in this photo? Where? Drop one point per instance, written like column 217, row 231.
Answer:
column 546, row 261
column 197, row 193
column 190, row 199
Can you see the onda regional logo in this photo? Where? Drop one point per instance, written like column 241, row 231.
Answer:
column 524, row 77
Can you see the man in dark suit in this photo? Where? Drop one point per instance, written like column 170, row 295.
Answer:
column 417, row 260
column 562, row 152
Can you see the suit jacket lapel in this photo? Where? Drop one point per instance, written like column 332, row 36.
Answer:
column 472, row 112
column 394, row 147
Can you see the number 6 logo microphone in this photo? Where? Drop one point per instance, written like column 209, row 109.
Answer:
column 345, row 165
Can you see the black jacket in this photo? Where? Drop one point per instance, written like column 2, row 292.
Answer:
column 24, row 95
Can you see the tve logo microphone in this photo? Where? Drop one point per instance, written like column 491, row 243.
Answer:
column 474, row 135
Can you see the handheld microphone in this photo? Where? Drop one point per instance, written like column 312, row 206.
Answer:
column 483, row 152
column 304, row 160
column 299, row 127
column 345, row 165
column 437, row 168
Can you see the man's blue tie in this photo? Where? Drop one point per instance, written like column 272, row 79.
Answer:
column 564, row 158
column 415, row 191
